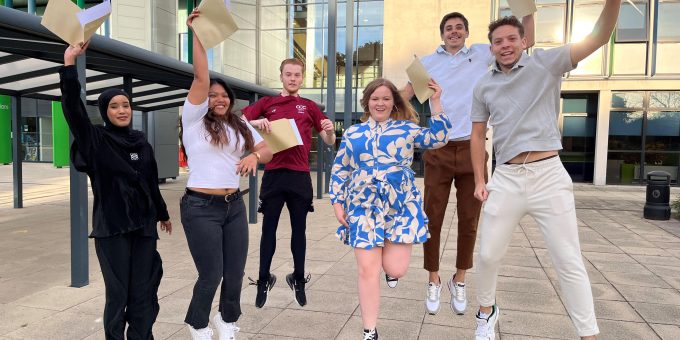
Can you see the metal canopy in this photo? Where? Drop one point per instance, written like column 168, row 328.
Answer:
column 30, row 56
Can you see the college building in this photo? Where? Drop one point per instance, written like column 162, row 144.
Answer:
column 620, row 108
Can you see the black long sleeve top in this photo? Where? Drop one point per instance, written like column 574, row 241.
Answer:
column 122, row 169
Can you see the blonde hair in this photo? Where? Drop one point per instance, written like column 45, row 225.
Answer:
column 402, row 110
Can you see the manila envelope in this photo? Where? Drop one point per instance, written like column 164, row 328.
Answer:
column 522, row 8
column 419, row 78
column 66, row 20
column 215, row 24
column 284, row 135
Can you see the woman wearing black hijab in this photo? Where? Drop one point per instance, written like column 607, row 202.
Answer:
column 127, row 203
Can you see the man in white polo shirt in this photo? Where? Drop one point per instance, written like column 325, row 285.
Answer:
column 520, row 99
column 456, row 68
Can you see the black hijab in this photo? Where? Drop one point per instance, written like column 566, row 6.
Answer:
column 124, row 137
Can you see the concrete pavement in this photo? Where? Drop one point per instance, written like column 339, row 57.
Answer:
column 633, row 263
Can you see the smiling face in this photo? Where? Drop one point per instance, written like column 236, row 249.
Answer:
column 454, row 35
column 291, row 78
column 380, row 104
column 218, row 100
column 507, row 45
column 119, row 111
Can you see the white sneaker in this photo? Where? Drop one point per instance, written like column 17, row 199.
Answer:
column 485, row 326
column 200, row 334
column 225, row 330
column 392, row 282
column 432, row 302
column 458, row 297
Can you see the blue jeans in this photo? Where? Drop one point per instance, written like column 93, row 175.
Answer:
column 217, row 234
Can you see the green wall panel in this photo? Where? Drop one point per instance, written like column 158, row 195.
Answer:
column 5, row 129
column 60, row 134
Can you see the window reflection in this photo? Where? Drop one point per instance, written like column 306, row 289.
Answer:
column 632, row 23
column 668, row 25
column 631, row 100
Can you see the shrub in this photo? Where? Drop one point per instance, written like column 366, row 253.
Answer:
column 676, row 206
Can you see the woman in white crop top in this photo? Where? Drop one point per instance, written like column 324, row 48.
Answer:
column 212, row 211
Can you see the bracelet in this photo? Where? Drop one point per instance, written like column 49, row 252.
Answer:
column 257, row 154
column 437, row 113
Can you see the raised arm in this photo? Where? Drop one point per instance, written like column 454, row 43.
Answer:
column 74, row 110
column 601, row 32
column 529, row 29
column 198, row 92
column 436, row 135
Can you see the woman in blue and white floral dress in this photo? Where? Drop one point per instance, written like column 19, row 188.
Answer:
column 373, row 191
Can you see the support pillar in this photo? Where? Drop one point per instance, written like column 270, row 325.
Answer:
column 17, row 172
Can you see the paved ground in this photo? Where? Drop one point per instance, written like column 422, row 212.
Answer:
column 634, row 267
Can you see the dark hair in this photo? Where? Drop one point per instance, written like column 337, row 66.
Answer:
column 509, row 21
column 453, row 15
column 402, row 110
column 292, row 61
column 215, row 124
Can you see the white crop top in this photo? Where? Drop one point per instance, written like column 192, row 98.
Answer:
column 210, row 166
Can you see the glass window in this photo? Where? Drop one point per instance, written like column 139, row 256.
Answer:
column 550, row 24
column 667, row 56
column 311, row 15
column 632, row 23
column 668, row 25
column 625, row 130
column 584, row 18
column 664, row 100
column 370, row 13
column 275, row 17
column 630, row 59
column 369, row 51
column 630, row 100
column 663, row 131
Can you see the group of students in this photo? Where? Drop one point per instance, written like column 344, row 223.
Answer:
column 373, row 192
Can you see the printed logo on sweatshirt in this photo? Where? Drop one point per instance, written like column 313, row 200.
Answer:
column 134, row 156
column 301, row 108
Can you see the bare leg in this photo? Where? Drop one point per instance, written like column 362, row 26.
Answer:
column 369, row 263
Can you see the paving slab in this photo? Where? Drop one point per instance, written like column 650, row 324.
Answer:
column 633, row 265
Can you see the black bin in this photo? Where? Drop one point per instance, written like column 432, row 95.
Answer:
column 657, row 206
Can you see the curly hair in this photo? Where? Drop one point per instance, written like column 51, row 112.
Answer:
column 216, row 125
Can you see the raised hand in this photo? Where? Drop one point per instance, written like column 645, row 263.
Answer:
column 72, row 52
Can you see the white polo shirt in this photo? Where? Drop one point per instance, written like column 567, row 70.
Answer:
column 457, row 75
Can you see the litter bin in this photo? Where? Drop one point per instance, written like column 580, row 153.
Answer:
column 657, row 206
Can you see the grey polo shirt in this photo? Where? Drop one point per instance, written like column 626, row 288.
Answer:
column 523, row 105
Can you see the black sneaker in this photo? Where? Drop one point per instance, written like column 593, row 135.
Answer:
column 298, row 287
column 371, row 334
column 263, row 288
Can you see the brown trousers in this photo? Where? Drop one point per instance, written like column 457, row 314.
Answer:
column 451, row 163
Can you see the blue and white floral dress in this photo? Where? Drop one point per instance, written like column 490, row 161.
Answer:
column 373, row 180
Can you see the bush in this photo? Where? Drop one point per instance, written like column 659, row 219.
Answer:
column 676, row 206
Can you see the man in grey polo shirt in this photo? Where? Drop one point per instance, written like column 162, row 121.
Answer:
column 456, row 68
column 520, row 99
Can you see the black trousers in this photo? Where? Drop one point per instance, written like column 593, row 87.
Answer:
column 294, row 189
column 217, row 234
column 132, row 271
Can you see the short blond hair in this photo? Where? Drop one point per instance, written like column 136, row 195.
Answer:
column 292, row 61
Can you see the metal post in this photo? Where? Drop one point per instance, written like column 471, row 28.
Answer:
column 349, row 69
column 190, row 34
column 17, row 154
column 252, row 184
column 9, row 3
column 78, row 196
column 332, row 67
column 31, row 7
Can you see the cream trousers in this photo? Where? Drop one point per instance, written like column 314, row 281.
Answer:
column 544, row 191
